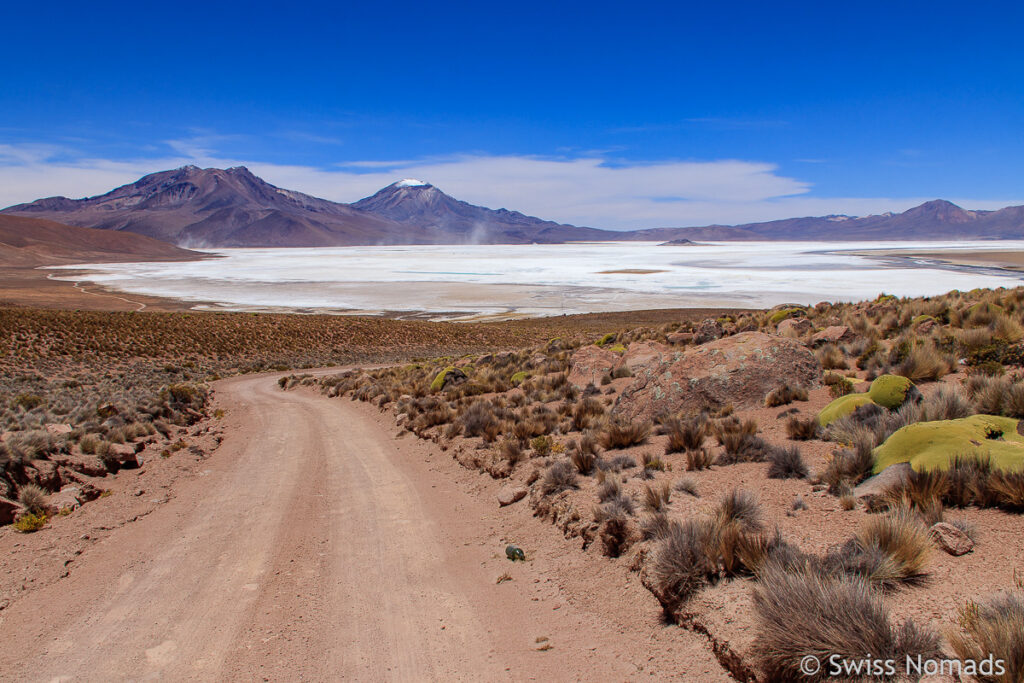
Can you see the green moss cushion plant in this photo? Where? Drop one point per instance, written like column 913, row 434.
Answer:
column 618, row 348
column 606, row 339
column 934, row 445
column 780, row 315
column 519, row 377
column 890, row 391
column 438, row 382
column 841, row 407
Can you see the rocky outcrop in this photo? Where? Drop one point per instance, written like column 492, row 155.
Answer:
column 737, row 370
column 794, row 327
column 832, row 335
column 511, row 493
column 589, row 364
column 708, row 330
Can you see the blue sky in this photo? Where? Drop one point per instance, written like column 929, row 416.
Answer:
column 608, row 114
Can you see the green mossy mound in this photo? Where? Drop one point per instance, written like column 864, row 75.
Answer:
column 606, row 339
column 933, row 445
column 841, row 407
column 921, row 319
column 986, row 308
column 890, row 391
column 438, row 383
column 780, row 315
column 618, row 348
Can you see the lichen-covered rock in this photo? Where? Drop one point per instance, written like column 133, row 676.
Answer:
column 708, row 330
column 449, row 377
column 934, row 445
column 951, row 539
column 794, row 327
column 589, row 364
column 891, row 391
column 737, row 370
column 841, row 407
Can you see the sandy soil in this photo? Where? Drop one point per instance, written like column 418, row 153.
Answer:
column 31, row 287
column 313, row 545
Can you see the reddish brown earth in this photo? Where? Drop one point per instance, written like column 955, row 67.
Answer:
column 313, row 544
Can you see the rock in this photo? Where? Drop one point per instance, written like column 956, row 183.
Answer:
column 510, row 494
column 925, row 327
column 9, row 510
column 68, row 498
column 589, row 364
column 537, row 360
column 832, row 335
column 875, row 486
column 680, row 338
column 708, row 330
column 83, row 464
column 737, row 370
column 794, row 327
column 58, row 429
column 644, row 353
column 401, row 419
column 47, row 474
column 107, row 411
column 124, row 455
column 463, row 362
column 951, row 539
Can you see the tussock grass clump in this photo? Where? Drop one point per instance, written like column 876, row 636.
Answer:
column 699, row 459
column 32, row 498
column 802, row 429
column 615, row 530
column 559, row 477
column 742, row 447
column 994, row 628
column 622, row 434
column 901, row 542
column 657, row 498
column 687, row 485
column 785, row 394
column 739, row 507
column 786, row 462
column 685, row 434
column 805, row 613
column 679, row 565
column 586, row 413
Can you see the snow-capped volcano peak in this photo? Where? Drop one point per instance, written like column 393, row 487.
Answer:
column 410, row 182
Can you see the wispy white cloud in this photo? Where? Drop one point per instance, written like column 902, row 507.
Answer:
column 592, row 190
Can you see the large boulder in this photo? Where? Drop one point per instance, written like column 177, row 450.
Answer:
column 589, row 364
column 644, row 353
column 510, row 493
column 123, row 455
column 737, row 370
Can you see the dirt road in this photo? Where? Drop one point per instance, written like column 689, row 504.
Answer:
column 316, row 547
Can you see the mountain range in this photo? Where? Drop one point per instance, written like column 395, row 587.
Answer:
column 194, row 207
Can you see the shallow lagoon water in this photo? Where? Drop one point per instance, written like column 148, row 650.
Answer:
column 514, row 280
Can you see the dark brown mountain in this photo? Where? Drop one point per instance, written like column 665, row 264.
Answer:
column 31, row 242
column 233, row 208
column 414, row 202
column 212, row 207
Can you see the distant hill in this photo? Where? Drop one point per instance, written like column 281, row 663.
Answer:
column 194, row 207
column 937, row 219
column 31, row 242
